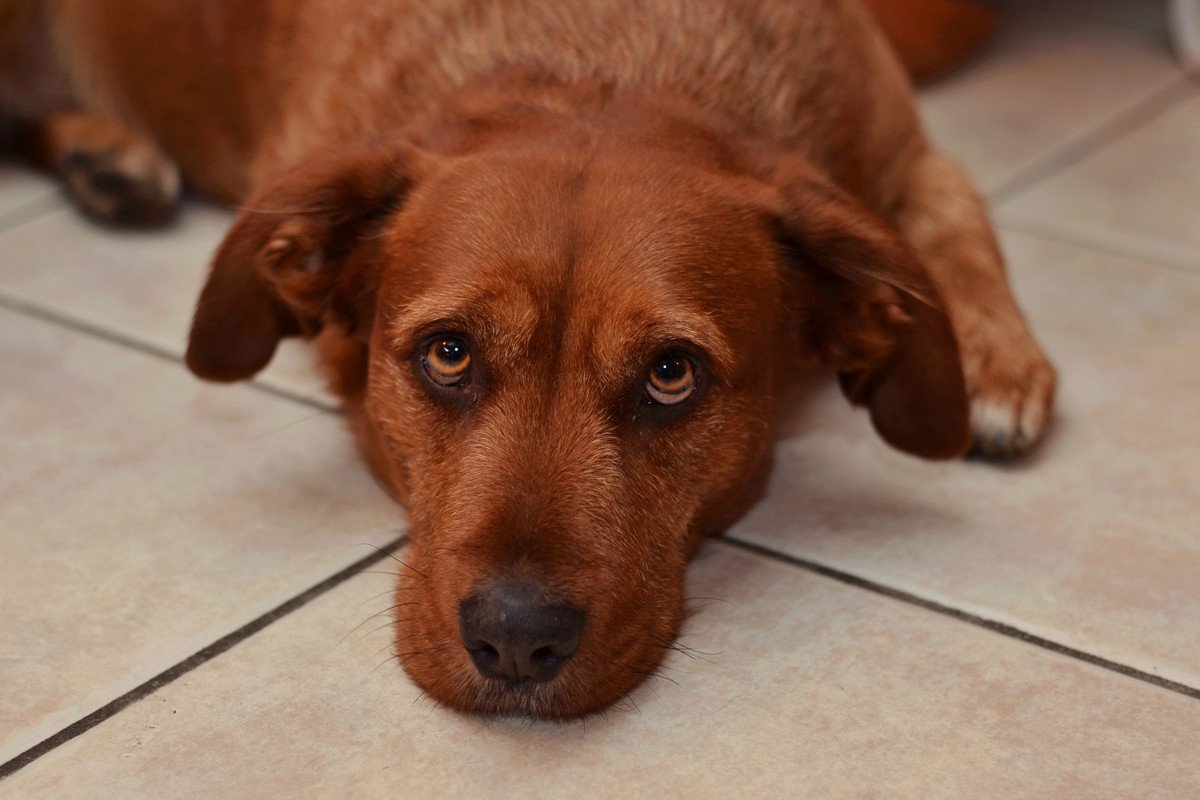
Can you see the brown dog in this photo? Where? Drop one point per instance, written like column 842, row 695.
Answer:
column 561, row 259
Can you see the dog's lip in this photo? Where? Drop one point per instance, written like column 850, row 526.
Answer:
column 530, row 700
column 523, row 686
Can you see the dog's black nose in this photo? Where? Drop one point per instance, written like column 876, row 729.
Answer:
column 514, row 634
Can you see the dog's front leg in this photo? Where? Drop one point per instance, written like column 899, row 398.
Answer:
column 1010, row 381
column 112, row 172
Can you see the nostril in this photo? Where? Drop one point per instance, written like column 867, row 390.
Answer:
column 513, row 634
column 546, row 657
column 484, row 650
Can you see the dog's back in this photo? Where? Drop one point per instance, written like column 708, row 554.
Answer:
column 792, row 69
column 213, row 81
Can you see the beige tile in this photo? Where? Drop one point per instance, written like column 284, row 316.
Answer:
column 814, row 690
column 1047, row 79
column 144, row 515
column 1093, row 542
column 24, row 192
column 142, row 284
column 1139, row 194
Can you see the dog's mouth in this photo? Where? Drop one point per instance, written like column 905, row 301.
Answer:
column 575, row 691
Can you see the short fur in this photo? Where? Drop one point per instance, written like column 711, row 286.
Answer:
column 571, row 188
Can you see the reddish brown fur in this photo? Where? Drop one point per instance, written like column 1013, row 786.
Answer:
column 571, row 189
column 932, row 37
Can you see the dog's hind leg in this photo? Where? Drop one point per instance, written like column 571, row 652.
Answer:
column 113, row 173
column 1010, row 381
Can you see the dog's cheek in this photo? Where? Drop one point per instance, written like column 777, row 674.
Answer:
column 414, row 435
column 427, row 643
column 737, row 460
column 408, row 452
column 629, row 650
column 703, row 468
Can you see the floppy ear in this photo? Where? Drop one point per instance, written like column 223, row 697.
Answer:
column 302, row 255
column 869, row 310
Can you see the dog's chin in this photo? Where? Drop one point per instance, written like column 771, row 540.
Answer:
column 553, row 701
column 588, row 684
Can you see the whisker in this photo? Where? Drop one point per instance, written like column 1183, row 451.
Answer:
column 387, row 646
column 710, row 599
column 386, row 660
column 390, row 624
column 700, row 653
column 289, row 211
column 373, row 616
column 653, row 674
column 293, row 423
column 694, row 655
column 394, row 643
column 389, row 554
column 385, row 591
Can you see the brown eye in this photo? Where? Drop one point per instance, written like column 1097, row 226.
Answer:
column 446, row 360
column 672, row 379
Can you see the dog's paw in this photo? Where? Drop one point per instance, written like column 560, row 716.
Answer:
column 1012, row 395
column 130, row 184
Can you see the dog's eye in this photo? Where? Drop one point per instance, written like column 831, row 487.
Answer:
column 672, row 379
column 446, row 360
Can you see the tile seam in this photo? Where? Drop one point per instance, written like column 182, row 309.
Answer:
column 230, row 640
column 130, row 342
column 1071, row 237
column 200, row 657
column 976, row 620
column 1124, row 122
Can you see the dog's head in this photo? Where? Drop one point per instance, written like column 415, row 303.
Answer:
column 562, row 352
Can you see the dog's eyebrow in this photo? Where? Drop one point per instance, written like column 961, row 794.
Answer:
column 487, row 311
column 687, row 325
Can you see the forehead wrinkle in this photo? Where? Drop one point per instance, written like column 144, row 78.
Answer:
column 632, row 295
column 617, row 320
column 497, row 267
column 502, row 318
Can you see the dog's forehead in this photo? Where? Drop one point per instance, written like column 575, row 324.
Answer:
column 604, row 253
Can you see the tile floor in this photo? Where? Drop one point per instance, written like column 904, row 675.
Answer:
column 179, row 563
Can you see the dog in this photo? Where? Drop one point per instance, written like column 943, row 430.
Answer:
column 560, row 262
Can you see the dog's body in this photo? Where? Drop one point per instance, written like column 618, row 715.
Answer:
column 494, row 214
column 237, row 93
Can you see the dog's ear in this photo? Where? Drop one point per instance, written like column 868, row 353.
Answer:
column 300, row 256
column 867, row 308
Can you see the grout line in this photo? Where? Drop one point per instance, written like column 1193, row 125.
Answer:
column 195, row 660
column 1001, row 628
column 1126, row 121
column 1065, row 235
column 124, row 340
